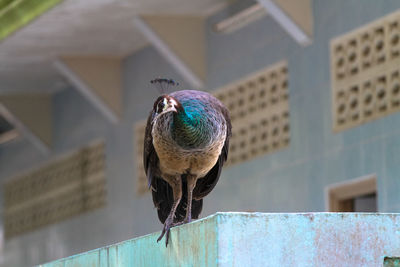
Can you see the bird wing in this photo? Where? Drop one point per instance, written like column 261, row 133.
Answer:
column 150, row 158
column 160, row 189
column 206, row 184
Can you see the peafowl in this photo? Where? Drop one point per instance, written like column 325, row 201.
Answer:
column 186, row 144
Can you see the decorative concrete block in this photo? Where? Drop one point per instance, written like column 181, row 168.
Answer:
column 259, row 239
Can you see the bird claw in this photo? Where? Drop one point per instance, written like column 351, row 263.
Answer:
column 168, row 225
column 166, row 230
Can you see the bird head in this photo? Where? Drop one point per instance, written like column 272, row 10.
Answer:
column 166, row 103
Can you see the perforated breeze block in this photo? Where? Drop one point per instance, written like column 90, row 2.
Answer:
column 259, row 239
column 57, row 191
column 365, row 73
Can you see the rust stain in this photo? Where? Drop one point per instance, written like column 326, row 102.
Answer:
column 336, row 247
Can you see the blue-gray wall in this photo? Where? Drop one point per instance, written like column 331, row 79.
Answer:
column 292, row 179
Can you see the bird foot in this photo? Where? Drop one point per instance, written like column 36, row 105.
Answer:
column 187, row 220
column 168, row 225
column 166, row 230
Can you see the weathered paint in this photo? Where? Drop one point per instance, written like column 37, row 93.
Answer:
column 189, row 245
column 259, row 239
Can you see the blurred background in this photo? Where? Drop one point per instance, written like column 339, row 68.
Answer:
column 313, row 88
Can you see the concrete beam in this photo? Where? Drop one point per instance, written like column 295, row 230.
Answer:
column 259, row 239
column 181, row 40
column 97, row 78
column 295, row 17
column 241, row 19
column 31, row 114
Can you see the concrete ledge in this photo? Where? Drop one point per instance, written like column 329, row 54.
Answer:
column 259, row 239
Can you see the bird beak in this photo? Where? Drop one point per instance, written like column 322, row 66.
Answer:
column 170, row 108
column 173, row 109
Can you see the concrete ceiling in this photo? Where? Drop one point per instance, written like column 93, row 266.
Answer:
column 76, row 27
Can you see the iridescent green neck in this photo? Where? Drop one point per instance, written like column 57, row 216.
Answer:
column 189, row 131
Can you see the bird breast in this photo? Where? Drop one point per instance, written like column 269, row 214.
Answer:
column 176, row 160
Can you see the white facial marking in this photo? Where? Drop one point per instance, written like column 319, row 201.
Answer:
column 173, row 102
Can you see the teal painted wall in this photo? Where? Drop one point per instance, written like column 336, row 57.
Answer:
column 289, row 180
column 259, row 239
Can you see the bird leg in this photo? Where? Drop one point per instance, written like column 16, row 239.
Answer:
column 191, row 183
column 176, row 185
